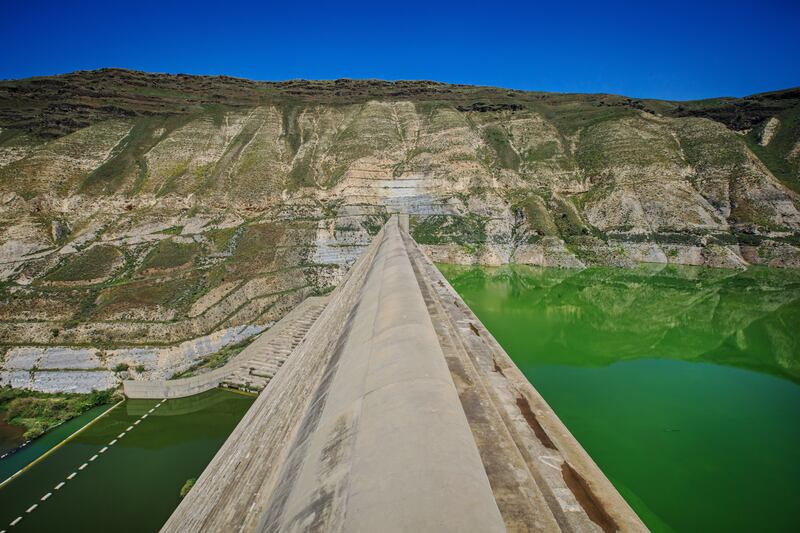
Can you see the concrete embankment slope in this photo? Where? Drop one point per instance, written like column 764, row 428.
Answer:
column 250, row 370
column 380, row 421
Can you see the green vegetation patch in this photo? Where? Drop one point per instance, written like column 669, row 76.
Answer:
column 537, row 215
column 128, row 159
column 169, row 254
column 181, row 177
column 542, row 152
column 567, row 218
column 302, row 174
column 216, row 360
column 374, row 223
column 187, row 486
column 497, row 139
column 220, row 238
column 11, row 137
column 255, row 248
column 707, row 144
column 94, row 263
column 38, row 412
column 776, row 154
column 172, row 230
column 745, row 210
column 639, row 142
column 551, row 215
column 573, row 116
column 290, row 127
column 171, row 293
column 467, row 229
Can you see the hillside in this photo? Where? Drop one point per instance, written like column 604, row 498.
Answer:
column 186, row 213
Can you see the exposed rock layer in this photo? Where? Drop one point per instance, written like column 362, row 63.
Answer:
column 141, row 210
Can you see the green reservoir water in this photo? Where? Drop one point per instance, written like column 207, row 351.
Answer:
column 11, row 436
column 681, row 383
column 12, row 463
column 132, row 486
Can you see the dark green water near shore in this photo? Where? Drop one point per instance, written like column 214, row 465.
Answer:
column 11, row 436
column 22, row 457
column 683, row 384
column 134, row 484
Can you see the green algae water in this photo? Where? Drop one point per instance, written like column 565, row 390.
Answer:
column 137, row 458
column 22, row 457
column 683, row 384
column 11, row 436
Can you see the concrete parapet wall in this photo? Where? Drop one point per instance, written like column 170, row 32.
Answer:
column 177, row 389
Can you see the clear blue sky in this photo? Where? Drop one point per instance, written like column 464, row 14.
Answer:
column 676, row 50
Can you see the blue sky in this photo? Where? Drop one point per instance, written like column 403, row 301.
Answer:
column 674, row 50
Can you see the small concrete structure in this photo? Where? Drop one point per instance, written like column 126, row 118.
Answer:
column 403, row 219
column 399, row 412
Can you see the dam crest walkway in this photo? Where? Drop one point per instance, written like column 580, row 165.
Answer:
column 397, row 410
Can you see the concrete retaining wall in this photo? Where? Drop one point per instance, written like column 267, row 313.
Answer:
column 174, row 389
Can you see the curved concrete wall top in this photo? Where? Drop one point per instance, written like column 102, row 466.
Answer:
column 391, row 449
column 361, row 430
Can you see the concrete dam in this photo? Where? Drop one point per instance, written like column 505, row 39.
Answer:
column 388, row 406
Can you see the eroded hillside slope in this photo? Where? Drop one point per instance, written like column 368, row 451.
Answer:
column 147, row 221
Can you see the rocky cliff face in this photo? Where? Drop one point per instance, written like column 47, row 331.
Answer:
column 150, row 210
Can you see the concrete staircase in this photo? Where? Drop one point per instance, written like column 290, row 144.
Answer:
column 253, row 373
column 251, row 369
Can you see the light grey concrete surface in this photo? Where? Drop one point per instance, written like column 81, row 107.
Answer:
column 52, row 381
column 233, row 492
column 399, row 412
column 391, row 449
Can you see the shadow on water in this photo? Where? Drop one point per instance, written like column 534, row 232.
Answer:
column 11, row 436
column 680, row 382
